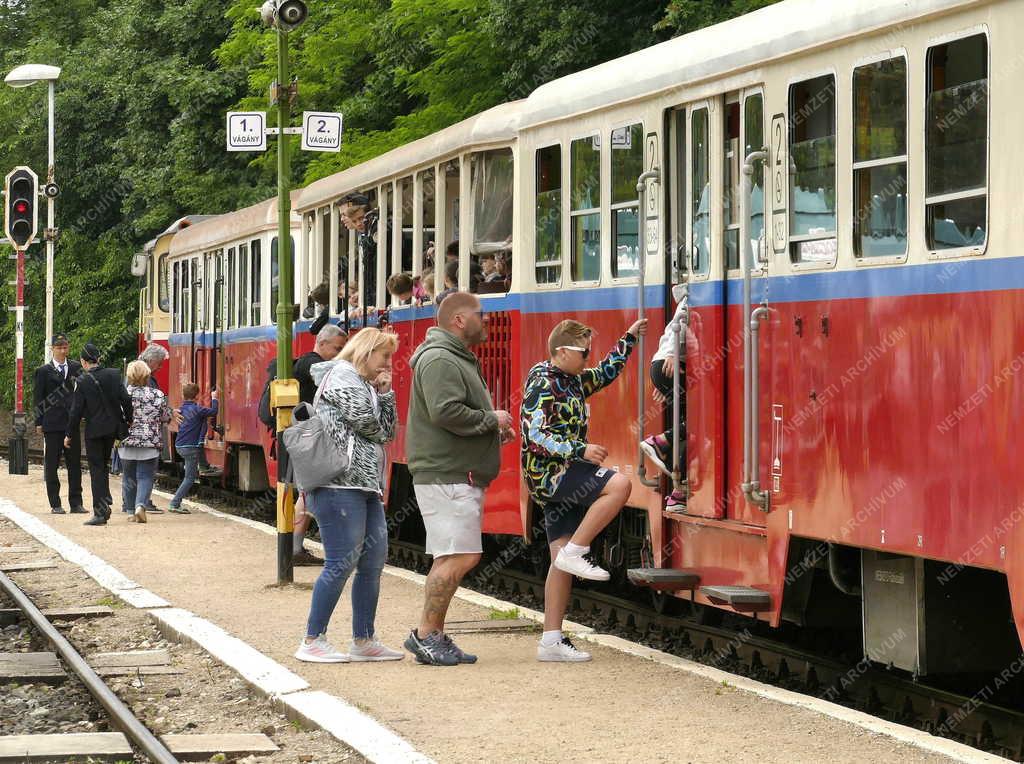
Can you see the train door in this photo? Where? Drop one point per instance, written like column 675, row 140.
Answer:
column 747, row 376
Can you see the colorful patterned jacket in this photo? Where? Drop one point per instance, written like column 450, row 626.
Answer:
column 553, row 417
column 149, row 412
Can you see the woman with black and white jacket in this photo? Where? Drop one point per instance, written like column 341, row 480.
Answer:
column 357, row 405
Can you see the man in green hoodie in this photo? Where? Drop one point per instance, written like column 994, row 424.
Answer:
column 453, row 444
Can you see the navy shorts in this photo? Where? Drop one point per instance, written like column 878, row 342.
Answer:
column 581, row 485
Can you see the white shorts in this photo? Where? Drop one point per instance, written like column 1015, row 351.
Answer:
column 452, row 514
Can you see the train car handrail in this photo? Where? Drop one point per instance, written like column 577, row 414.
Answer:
column 641, row 189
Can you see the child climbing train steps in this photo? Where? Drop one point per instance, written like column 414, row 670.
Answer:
column 190, row 441
column 658, row 448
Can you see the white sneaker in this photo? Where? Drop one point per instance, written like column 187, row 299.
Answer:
column 561, row 652
column 579, row 566
column 319, row 651
column 372, row 650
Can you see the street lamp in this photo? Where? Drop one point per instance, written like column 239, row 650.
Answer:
column 22, row 77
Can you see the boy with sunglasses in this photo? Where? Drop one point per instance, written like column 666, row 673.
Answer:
column 563, row 472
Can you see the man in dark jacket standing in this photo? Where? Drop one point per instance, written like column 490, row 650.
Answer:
column 102, row 400
column 54, row 387
column 453, row 442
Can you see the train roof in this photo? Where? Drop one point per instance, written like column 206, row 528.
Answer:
column 777, row 31
column 496, row 125
column 178, row 225
column 216, row 230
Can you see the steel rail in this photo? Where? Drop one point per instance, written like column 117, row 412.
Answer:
column 121, row 714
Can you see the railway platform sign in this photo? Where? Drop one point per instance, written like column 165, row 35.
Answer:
column 321, row 131
column 247, row 131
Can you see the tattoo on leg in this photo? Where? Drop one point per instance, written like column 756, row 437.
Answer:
column 439, row 592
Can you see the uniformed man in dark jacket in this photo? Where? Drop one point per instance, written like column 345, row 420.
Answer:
column 53, row 387
column 103, row 401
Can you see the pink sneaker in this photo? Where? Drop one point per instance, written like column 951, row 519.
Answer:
column 372, row 650
column 676, row 502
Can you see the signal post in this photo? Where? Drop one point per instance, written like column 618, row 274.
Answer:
column 21, row 187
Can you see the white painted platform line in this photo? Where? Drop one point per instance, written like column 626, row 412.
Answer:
column 264, row 673
column 910, row 735
column 342, row 720
column 105, row 575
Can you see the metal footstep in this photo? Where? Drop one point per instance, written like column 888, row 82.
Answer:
column 663, row 579
column 745, row 599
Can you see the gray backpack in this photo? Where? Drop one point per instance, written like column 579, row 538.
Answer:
column 315, row 459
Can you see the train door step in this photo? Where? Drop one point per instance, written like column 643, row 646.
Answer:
column 746, row 599
column 663, row 579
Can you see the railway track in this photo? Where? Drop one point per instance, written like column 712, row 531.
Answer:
column 75, row 745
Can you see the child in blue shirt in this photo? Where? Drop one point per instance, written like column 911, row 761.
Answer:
column 189, row 443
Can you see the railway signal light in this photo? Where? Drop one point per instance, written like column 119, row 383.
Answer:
column 21, row 190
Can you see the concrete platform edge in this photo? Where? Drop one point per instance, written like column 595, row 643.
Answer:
column 286, row 689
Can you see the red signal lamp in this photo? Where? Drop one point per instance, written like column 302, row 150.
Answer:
column 21, row 207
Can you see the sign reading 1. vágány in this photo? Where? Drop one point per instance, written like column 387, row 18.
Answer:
column 247, row 131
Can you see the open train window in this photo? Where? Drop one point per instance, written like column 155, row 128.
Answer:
column 700, row 192
column 175, row 298
column 428, row 217
column 275, row 277
column 956, row 144
column 243, row 285
column 229, row 294
column 585, row 208
column 880, row 159
column 256, row 274
column 753, row 140
column 812, row 183
column 627, row 160
column 548, row 210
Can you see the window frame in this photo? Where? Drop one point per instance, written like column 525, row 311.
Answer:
column 635, row 203
column 692, row 108
column 969, row 251
column 562, row 206
column 754, row 91
column 791, row 210
column 599, row 210
column 738, row 224
column 256, row 295
column 163, row 285
column 860, row 261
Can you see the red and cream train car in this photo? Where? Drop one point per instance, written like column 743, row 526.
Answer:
column 835, row 183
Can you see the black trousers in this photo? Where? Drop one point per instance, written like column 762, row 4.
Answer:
column 53, row 449
column 663, row 384
column 97, row 451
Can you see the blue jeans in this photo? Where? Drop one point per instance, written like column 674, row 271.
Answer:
column 137, row 482
column 355, row 537
column 191, row 456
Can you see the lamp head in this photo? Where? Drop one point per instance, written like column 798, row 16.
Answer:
column 29, row 74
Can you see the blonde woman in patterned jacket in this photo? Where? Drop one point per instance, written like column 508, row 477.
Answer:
column 357, row 405
column 140, row 449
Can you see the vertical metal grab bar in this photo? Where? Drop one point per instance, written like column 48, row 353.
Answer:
column 679, row 325
column 641, row 188
column 756, row 495
column 750, row 371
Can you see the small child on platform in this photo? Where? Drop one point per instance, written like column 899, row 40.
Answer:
column 190, row 441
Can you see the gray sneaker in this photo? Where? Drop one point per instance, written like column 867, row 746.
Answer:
column 431, row 650
column 462, row 656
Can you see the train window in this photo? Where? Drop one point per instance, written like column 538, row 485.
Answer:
column 243, row 285
column 548, row 210
column 187, row 280
column 324, row 274
column 408, row 223
column 230, row 294
column 275, row 277
column 731, row 185
column 880, row 159
column 163, row 297
column 677, row 189
column 491, row 179
column 700, row 191
column 175, row 302
column 627, row 147
column 428, row 217
column 385, row 230
column 256, row 274
column 812, row 149
column 585, row 208
column 956, row 144
column 753, row 140
column 149, row 281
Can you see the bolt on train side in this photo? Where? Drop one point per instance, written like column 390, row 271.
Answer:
column 836, row 185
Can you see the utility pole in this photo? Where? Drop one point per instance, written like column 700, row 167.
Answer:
column 284, row 395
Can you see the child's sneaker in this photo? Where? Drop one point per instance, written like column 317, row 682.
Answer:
column 579, row 566
column 658, row 450
column 676, row 502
